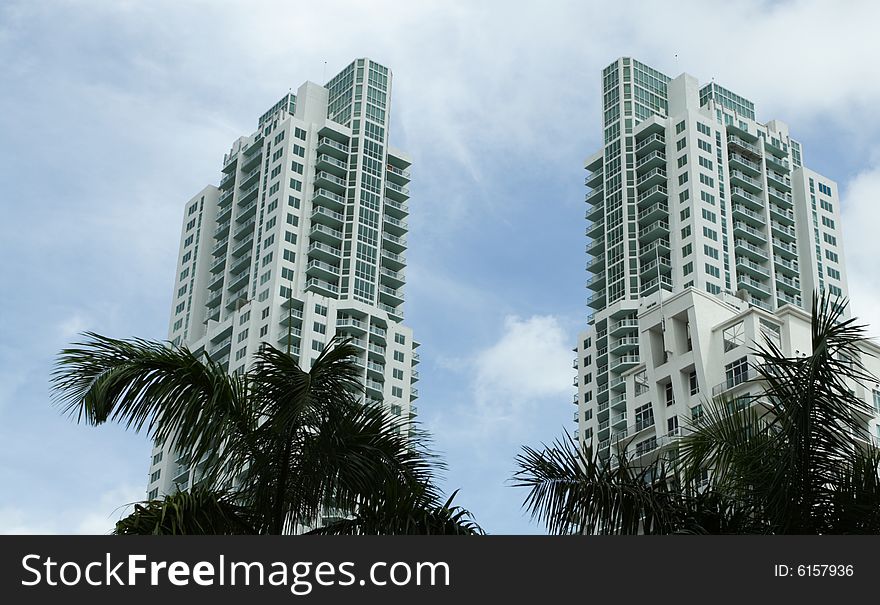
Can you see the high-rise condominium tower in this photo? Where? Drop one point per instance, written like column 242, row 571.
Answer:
column 706, row 234
column 303, row 238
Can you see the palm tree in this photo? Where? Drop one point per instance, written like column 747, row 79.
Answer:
column 796, row 458
column 275, row 446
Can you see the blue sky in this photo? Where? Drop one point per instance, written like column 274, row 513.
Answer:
column 113, row 113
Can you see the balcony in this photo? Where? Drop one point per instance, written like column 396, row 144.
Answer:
column 374, row 385
column 654, row 194
column 252, row 159
column 750, row 216
column 595, row 230
column 398, row 175
column 247, row 212
column 785, row 249
column 352, row 324
column 653, row 143
column 594, row 179
column 743, row 164
column 322, row 251
column 780, row 197
column 785, row 217
column 594, row 195
column 328, row 217
column 320, row 286
column 779, row 181
column 322, row 270
column 393, row 242
column 653, row 285
column 624, row 362
column 654, row 176
column 618, row 384
column 214, row 301
column 249, row 179
column 653, row 212
column 757, row 270
column 776, row 147
column 244, row 247
column 597, row 300
column 654, row 231
column 218, row 265
column 655, row 159
column 239, row 280
column 331, row 164
column 784, row 232
column 394, row 226
column 222, row 230
column 740, row 229
column 654, row 267
column 661, row 247
column 376, row 349
column 745, row 181
column 326, row 234
column 396, row 192
column 391, row 296
column 596, row 247
column 333, row 148
column 625, row 344
column 331, row 181
column 777, row 163
column 597, row 282
column 743, row 247
column 395, row 279
column 734, row 381
column 393, row 312
column 745, row 147
column 227, row 180
column 241, row 263
column 596, row 212
column 392, row 260
column 787, row 266
column 597, row 264
column 753, row 286
column 788, row 299
column 747, row 198
column 398, row 209
column 791, row 285
column 325, row 197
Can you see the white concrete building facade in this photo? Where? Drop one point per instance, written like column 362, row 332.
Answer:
column 699, row 217
column 304, row 238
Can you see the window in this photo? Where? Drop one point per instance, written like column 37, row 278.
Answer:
column 299, row 133
column 299, row 150
column 289, row 255
column 274, row 188
column 827, row 222
column 397, row 373
column 734, row 336
column 684, row 196
column 263, row 331
column 158, row 457
column 708, row 198
column 239, row 355
column 696, row 412
column 644, row 416
column 320, row 328
column 683, row 160
column 737, row 372
column 244, row 317
column 293, row 202
column 154, row 493
column 685, row 231
column 398, row 356
column 400, row 339
column 687, row 268
column 397, row 391
column 668, row 394
column 317, row 345
column 832, row 256
column 242, row 336
column 876, row 395
column 264, row 313
column 680, row 144
column 321, row 310
column 396, row 409
column 829, row 239
column 825, row 189
column 686, row 250
column 707, row 180
column 705, row 163
column 279, row 137
column 710, row 233
column 155, row 476
column 296, row 167
column 588, row 414
column 683, row 178
column 703, row 129
column 672, row 425
column 704, row 145
column 272, row 206
column 188, row 241
column 710, row 251
column 708, row 215
column 295, row 184
column 685, row 213
column 679, row 128
column 693, row 385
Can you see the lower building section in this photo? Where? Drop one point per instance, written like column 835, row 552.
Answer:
column 644, row 373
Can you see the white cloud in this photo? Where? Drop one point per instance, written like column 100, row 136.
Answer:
column 97, row 516
column 861, row 217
